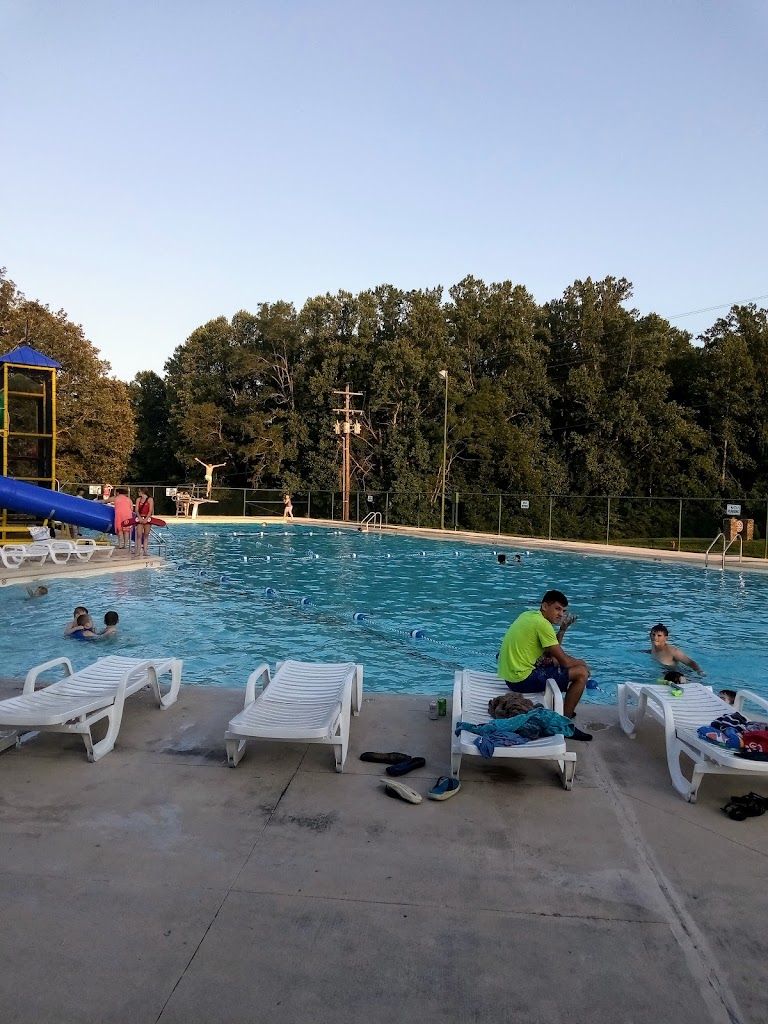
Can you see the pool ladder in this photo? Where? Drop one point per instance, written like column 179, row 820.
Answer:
column 726, row 546
column 371, row 522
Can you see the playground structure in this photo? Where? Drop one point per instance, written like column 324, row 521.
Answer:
column 28, row 488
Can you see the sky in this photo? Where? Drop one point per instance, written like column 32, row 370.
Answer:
column 165, row 163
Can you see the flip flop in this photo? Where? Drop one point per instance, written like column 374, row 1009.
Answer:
column 403, row 792
column 406, row 766
column 393, row 757
column 444, row 788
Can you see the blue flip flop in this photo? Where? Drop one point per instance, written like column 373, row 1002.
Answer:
column 444, row 788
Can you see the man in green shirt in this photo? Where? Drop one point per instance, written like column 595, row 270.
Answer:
column 532, row 636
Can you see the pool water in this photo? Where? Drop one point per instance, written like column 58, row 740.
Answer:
column 213, row 608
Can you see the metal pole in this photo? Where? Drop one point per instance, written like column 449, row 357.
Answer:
column 766, row 531
column 680, row 527
column 357, row 495
column 499, row 533
column 244, row 494
column 550, row 517
column 608, row 523
column 444, row 375
column 309, row 504
column 455, row 510
column 386, row 510
column 332, row 506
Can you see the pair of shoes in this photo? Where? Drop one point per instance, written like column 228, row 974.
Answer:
column 444, row 788
column 393, row 757
column 403, row 767
column 739, row 808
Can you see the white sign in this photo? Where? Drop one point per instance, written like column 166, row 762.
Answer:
column 733, row 510
column 525, row 504
column 94, row 489
column 370, row 498
column 171, row 492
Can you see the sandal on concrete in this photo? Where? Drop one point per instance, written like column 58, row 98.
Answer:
column 406, row 766
column 393, row 757
column 403, row 792
column 444, row 788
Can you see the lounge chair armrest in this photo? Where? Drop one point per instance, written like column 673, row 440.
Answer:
column 31, row 679
column 555, row 693
column 456, row 710
column 748, row 695
column 250, row 687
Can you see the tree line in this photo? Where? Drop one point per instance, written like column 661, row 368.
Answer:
column 578, row 395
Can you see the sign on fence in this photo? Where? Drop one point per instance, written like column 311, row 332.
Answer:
column 171, row 492
column 94, row 489
column 525, row 504
column 733, row 510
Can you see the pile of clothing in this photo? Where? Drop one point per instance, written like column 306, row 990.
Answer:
column 516, row 720
column 735, row 732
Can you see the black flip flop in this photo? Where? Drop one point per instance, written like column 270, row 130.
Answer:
column 393, row 757
column 406, row 766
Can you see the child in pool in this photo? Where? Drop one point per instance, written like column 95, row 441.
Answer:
column 72, row 626
column 84, row 630
column 111, row 620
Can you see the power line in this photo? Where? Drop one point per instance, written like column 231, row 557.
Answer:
column 723, row 305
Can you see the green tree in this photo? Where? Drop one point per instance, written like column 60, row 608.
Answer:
column 152, row 458
column 95, row 421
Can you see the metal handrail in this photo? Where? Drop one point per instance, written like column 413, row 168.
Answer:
column 726, row 547
column 373, row 519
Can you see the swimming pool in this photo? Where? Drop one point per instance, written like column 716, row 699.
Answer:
column 223, row 623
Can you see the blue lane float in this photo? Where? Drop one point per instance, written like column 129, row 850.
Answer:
column 269, row 592
column 416, row 634
column 305, row 600
column 358, row 617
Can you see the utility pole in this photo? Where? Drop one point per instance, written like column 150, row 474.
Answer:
column 346, row 427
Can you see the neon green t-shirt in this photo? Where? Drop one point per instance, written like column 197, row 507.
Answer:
column 523, row 645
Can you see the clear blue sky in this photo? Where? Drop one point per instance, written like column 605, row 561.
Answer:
column 166, row 162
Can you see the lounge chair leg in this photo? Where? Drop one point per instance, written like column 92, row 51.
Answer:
column 698, row 775
column 340, row 752
column 172, row 696
column 455, row 765
column 95, row 751
column 568, row 770
column 686, row 789
column 235, row 751
column 10, row 741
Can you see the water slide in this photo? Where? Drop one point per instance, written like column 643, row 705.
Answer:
column 17, row 496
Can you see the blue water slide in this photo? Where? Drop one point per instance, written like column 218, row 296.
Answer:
column 17, row 496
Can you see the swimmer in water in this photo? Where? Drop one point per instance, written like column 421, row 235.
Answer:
column 72, row 626
column 84, row 630
column 111, row 620
column 663, row 652
column 37, row 592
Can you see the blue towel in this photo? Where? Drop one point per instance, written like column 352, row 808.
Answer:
column 509, row 732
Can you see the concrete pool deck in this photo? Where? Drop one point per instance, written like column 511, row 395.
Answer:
column 159, row 885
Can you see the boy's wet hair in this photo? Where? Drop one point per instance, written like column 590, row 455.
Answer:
column 659, row 628
column 84, row 619
column 111, row 619
column 553, row 596
column 80, row 610
column 501, row 559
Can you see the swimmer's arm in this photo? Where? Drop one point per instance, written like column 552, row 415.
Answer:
column 683, row 658
column 70, row 628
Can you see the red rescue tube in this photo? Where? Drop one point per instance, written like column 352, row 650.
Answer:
column 129, row 523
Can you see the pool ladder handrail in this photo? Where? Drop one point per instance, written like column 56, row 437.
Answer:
column 720, row 535
column 371, row 521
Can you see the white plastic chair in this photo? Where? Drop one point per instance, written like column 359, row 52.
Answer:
column 73, row 704
column 11, row 556
column 35, row 552
column 681, row 717
column 471, row 693
column 309, row 702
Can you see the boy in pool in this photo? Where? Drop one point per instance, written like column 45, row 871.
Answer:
column 111, row 620
column 84, row 629
column 663, row 652
column 72, row 626
column 37, row 592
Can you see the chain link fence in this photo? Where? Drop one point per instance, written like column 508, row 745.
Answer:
column 685, row 524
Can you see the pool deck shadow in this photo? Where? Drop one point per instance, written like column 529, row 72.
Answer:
column 159, row 885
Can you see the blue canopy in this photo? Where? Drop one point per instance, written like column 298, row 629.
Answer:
column 25, row 355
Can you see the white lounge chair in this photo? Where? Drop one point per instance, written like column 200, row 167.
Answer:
column 76, row 702
column 35, row 552
column 681, row 717
column 305, row 702
column 471, row 693
column 11, row 556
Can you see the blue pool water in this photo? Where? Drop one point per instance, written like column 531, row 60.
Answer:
column 223, row 624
